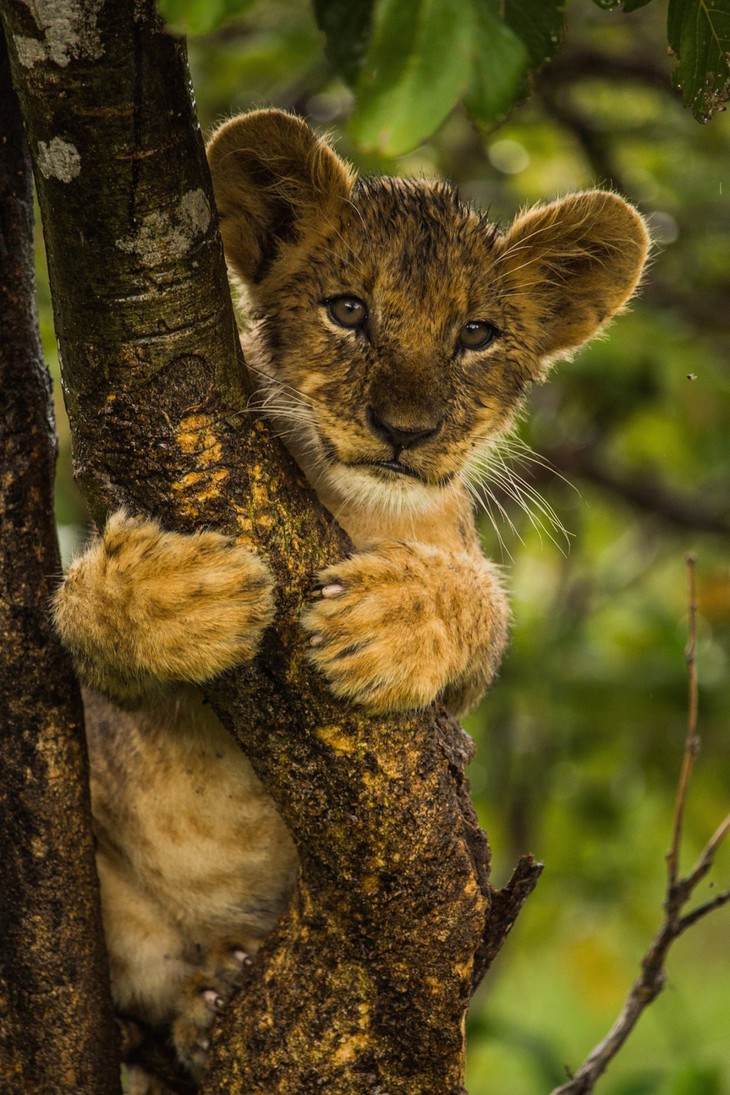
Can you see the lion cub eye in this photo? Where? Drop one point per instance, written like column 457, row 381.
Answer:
column 477, row 334
column 347, row 311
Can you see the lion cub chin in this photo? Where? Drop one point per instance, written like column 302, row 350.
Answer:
column 393, row 335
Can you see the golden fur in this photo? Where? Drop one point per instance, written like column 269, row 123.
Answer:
column 385, row 419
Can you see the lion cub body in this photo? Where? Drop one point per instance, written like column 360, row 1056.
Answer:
column 394, row 332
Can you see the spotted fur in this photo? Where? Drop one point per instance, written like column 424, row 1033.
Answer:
column 386, row 419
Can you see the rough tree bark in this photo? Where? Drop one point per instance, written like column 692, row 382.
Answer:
column 56, row 1024
column 364, row 985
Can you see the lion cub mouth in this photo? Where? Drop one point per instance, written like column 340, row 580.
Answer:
column 398, row 469
column 393, row 468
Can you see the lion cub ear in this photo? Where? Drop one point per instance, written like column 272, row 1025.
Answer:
column 274, row 182
column 572, row 265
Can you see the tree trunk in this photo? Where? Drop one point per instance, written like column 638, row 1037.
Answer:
column 56, row 1025
column 365, row 983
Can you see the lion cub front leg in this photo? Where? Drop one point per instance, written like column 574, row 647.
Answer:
column 143, row 606
column 403, row 624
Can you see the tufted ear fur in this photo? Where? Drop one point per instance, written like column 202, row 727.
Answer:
column 273, row 180
column 572, row 265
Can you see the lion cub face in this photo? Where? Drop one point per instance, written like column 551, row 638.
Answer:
column 396, row 329
column 391, row 331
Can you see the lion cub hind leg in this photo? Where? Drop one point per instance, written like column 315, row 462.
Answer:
column 204, row 995
column 138, row 1081
column 143, row 605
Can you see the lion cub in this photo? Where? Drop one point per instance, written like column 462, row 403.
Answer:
column 394, row 333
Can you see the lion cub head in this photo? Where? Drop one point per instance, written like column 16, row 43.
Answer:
column 395, row 329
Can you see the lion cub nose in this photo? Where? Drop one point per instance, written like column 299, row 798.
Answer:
column 399, row 437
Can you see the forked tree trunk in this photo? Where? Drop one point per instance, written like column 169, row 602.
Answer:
column 365, row 983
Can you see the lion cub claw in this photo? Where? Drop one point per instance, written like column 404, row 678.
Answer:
column 204, row 997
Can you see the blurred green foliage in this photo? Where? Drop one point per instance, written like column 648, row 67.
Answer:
column 410, row 61
column 579, row 743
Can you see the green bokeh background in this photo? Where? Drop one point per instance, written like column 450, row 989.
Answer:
column 579, row 744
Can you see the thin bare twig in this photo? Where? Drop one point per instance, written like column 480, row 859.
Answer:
column 651, row 979
column 692, row 741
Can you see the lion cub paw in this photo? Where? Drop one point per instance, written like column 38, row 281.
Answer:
column 205, row 995
column 378, row 631
column 142, row 604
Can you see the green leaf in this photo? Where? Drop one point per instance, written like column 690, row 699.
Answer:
column 417, row 66
column 347, row 28
column 199, row 16
column 699, row 35
column 539, row 26
column 501, row 65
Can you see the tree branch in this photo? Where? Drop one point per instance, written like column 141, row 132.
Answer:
column 56, row 1024
column 651, row 495
column 506, row 906
column 639, row 489
column 365, row 982
column 592, row 64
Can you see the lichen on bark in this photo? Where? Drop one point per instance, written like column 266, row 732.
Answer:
column 365, row 983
